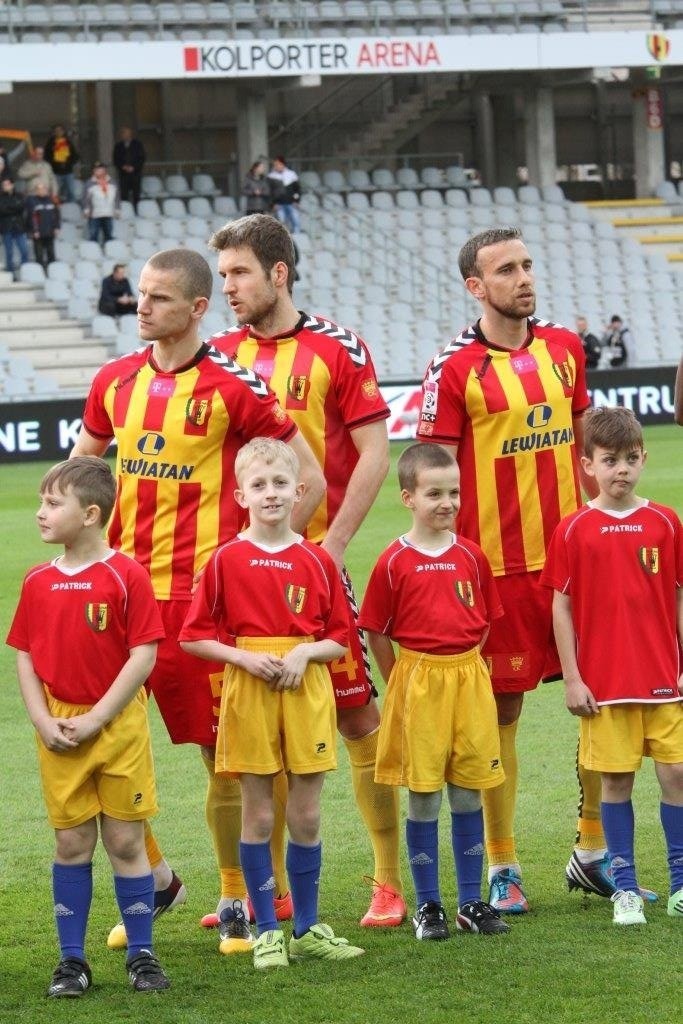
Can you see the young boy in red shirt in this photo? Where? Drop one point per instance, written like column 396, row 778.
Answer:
column 432, row 593
column 616, row 567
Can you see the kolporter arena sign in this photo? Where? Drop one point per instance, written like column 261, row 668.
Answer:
column 48, row 430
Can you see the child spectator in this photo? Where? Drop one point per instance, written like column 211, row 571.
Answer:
column 432, row 592
column 44, row 221
column 616, row 567
column 86, row 631
column 277, row 709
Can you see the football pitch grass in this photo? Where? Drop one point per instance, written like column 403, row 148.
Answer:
column 564, row 962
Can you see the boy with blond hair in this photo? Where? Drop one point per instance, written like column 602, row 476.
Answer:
column 432, row 592
column 86, row 631
column 616, row 568
column 270, row 606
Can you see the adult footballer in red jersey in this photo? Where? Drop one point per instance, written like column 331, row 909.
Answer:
column 324, row 378
column 179, row 411
column 508, row 395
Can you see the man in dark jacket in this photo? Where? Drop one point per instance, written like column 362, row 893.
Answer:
column 116, row 297
column 591, row 345
column 43, row 222
column 12, row 224
column 129, row 159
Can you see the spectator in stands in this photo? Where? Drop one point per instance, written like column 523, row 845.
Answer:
column 129, row 159
column 618, row 342
column 37, row 171
column 285, row 194
column 591, row 345
column 43, row 221
column 12, row 224
column 100, row 204
column 62, row 156
column 116, row 296
column 257, row 189
column 4, row 165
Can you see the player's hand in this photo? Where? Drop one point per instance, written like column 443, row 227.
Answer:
column 54, row 734
column 264, row 666
column 82, row 727
column 580, row 701
column 295, row 664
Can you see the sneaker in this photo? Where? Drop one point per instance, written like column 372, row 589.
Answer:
column 506, row 894
column 269, row 951
column 430, row 922
column 284, row 908
column 674, row 907
column 174, row 895
column 477, row 916
column 628, row 907
column 235, row 933
column 597, row 877
column 387, row 908
column 71, row 979
column 146, row 973
column 320, row 943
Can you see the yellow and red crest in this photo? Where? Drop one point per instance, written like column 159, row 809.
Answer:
column 197, row 411
column 97, row 616
column 297, row 387
column 369, row 388
column 464, row 592
column 658, row 45
column 295, row 597
column 649, row 559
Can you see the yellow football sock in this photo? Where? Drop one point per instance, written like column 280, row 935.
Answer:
column 224, row 818
column 589, row 834
column 378, row 805
column 277, row 839
column 500, row 804
column 154, row 854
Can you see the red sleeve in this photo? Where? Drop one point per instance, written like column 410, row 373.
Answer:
column 556, row 570
column 143, row 620
column 376, row 613
column 357, row 390
column 204, row 614
column 257, row 415
column 18, row 636
column 580, row 399
column 96, row 418
column 443, row 414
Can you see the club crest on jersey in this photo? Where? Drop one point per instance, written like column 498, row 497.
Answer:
column 649, row 559
column 464, row 592
column 369, row 388
column 298, row 387
column 97, row 616
column 295, row 597
column 563, row 373
column 516, row 662
column 197, row 411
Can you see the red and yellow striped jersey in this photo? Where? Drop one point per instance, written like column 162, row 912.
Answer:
column 324, row 378
column 177, row 435
column 511, row 415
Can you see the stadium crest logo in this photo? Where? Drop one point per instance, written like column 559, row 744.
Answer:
column 151, row 444
column 298, row 387
column 658, row 45
column 295, row 597
column 97, row 616
column 563, row 373
column 464, row 592
column 539, row 416
column 197, row 411
column 649, row 559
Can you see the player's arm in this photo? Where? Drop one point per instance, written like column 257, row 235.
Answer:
column 579, row 699
column 372, row 444
column 87, row 444
column 382, row 651
column 121, row 692
column 296, row 661
column 679, row 597
column 265, row 666
column 678, row 395
column 588, row 483
column 50, row 729
column 313, row 480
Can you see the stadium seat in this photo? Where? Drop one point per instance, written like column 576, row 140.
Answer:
column 383, row 178
column 335, row 181
column 455, row 197
column 71, row 212
column 31, row 273
column 204, row 185
column 359, row 180
column 382, row 201
column 431, row 199
column 310, row 182
column 151, row 186
column 148, row 209
column 357, row 201
column 407, row 200
column 103, row 326
column 225, row 206
column 480, row 196
column 528, row 195
column 57, row 291
column 456, row 177
column 552, row 194
column 115, row 249
column 407, row 177
column 173, row 209
column 176, row 185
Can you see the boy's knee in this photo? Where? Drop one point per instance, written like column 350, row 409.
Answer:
column 123, row 840
column 75, row 845
column 463, row 801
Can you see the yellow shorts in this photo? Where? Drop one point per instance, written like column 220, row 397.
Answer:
column 617, row 738
column 439, row 724
column 262, row 732
column 112, row 773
